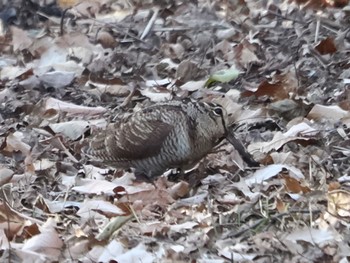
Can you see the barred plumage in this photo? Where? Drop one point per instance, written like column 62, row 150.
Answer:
column 174, row 134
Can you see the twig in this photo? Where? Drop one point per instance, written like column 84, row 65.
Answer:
column 150, row 23
column 318, row 57
column 183, row 28
column 271, row 219
column 318, row 24
column 62, row 20
column 286, row 18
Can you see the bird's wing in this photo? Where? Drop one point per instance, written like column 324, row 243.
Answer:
column 128, row 141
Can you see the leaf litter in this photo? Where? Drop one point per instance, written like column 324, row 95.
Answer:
column 280, row 68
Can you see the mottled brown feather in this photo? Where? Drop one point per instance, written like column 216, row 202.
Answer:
column 136, row 147
column 165, row 135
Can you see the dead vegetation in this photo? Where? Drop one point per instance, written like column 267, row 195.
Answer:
column 72, row 67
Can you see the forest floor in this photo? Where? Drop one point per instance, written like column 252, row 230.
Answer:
column 280, row 68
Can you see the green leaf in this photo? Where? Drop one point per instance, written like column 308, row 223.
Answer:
column 223, row 76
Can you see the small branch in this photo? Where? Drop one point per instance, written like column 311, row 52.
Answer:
column 320, row 59
column 317, row 32
column 286, row 18
column 150, row 24
column 270, row 220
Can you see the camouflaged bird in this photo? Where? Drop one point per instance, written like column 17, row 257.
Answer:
column 173, row 134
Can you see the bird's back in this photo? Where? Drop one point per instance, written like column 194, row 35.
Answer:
column 165, row 135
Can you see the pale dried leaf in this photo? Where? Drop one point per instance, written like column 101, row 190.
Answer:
column 71, row 108
column 47, row 243
column 301, row 131
column 333, row 113
column 270, row 171
column 312, row 235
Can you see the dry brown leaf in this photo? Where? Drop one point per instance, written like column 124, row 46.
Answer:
column 294, row 185
column 20, row 39
column 10, row 221
column 57, row 79
column 332, row 113
column 301, row 131
column 12, row 72
column 88, row 186
column 75, row 129
column 187, row 71
column 339, row 203
column 145, row 198
column 156, row 94
column 96, row 208
column 174, row 51
column 281, row 206
column 245, row 54
column 326, row 46
column 67, row 3
column 47, row 243
column 270, row 171
column 110, row 89
column 106, row 40
column 86, row 8
column 312, row 235
column 116, row 251
column 179, row 190
column 281, row 87
column 333, row 186
column 14, row 143
column 5, row 175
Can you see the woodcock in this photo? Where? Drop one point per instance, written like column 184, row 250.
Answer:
column 173, row 134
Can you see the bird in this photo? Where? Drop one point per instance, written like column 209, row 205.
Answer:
column 166, row 135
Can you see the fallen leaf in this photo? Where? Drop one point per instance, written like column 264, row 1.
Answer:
column 301, row 131
column 339, row 203
column 333, row 113
column 326, row 46
column 270, row 171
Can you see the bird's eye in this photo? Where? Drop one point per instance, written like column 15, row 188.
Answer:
column 218, row 111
